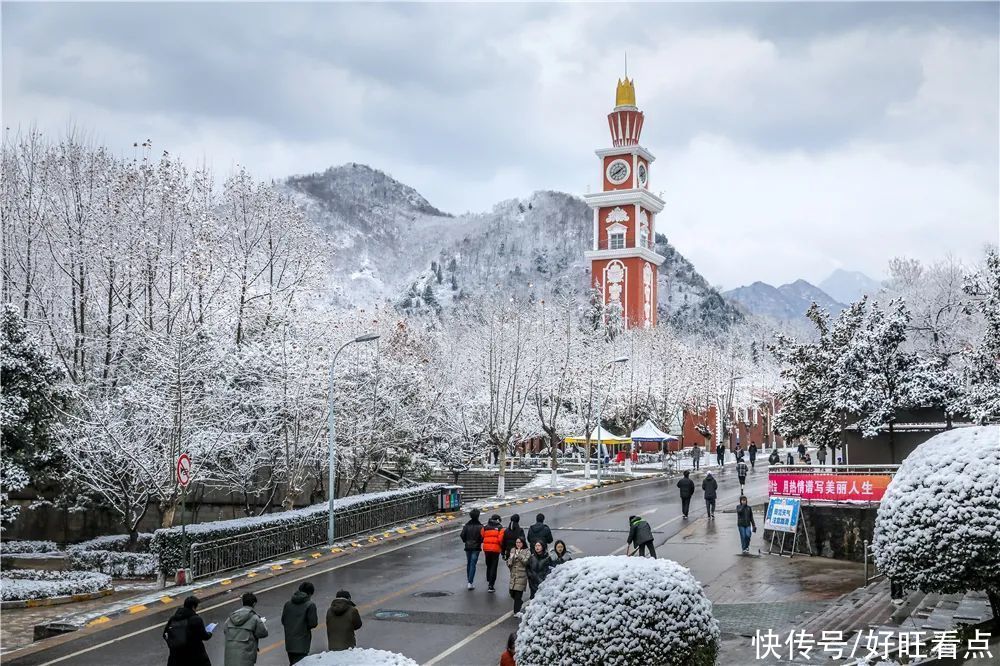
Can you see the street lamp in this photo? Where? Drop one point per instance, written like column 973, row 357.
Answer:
column 600, row 408
column 331, row 432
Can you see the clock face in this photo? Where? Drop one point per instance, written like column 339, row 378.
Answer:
column 641, row 172
column 618, row 171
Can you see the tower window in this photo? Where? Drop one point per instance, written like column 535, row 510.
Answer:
column 616, row 241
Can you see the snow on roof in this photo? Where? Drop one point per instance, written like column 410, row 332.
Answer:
column 358, row 657
column 648, row 431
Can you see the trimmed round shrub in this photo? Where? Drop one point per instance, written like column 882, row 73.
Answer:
column 938, row 526
column 19, row 547
column 115, row 564
column 358, row 657
column 618, row 611
column 21, row 584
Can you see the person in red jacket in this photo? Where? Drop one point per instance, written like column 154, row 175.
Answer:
column 507, row 658
column 492, row 545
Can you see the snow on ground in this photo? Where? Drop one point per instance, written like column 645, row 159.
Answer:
column 358, row 657
column 617, row 611
column 20, row 584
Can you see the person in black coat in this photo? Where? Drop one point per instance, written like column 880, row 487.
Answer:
column 539, row 532
column 745, row 524
column 539, row 566
column 640, row 534
column 298, row 619
column 774, row 458
column 185, row 635
column 753, row 454
column 472, row 537
column 720, row 455
column 710, row 486
column 510, row 535
column 686, row 486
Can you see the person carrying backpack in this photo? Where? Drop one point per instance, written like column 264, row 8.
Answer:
column 686, row 486
column 492, row 546
column 298, row 618
column 185, row 635
column 640, row 535
column 244, row 629
column 472, row 537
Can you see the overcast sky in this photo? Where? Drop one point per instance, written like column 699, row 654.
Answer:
column 791, row 139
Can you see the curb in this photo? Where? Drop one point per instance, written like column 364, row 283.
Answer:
column 300, row 561
column 55, row 601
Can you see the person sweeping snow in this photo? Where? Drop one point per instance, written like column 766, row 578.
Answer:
column 641, row 535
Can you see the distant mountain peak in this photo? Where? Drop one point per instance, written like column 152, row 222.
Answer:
column 789, row 302
column 849, row 286
column 363, row 184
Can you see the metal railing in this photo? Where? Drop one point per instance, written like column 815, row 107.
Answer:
column 833, row 469
column 871, row 566
column 209, row 557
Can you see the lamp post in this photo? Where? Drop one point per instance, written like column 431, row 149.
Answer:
column 331, row 433
column 600, row 408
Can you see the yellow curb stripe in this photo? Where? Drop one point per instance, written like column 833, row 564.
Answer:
column 400, row 531
column 252, row 574
column 166, row 600
column 99, row 620
column 298, row 561
column 338, row 550
column 138, row 608
column 315, row 555
column 276, row 567
column 227, row 581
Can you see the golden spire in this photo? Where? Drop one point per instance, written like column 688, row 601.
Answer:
column 625, row 94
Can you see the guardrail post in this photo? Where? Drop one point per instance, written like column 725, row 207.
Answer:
column 866, row 561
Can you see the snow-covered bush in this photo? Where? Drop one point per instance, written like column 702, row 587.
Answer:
column 114, row 542
column 938, row 526
column 169, row 544
column 20, row 584
column 115, row 564
column 358, row 657
column 618, row 611
column 15, row 547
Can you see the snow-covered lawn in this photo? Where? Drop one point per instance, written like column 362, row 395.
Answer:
column 618, row 611
column 358, row 657
column 20, row 584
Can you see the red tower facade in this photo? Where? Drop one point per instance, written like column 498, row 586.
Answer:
column 622, row 261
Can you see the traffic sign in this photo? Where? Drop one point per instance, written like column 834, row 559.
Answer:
column 184, row 470
column 782, row 514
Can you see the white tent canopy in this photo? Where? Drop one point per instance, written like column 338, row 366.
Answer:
column 606, row 437
column 648, row 432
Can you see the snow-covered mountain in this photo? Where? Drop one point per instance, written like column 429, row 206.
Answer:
column 788, row 302
column 849, row 286
column 389, row 244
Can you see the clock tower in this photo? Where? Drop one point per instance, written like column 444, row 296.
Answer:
column 623, row 264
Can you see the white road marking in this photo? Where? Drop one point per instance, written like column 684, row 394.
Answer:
column 291, row 581
column 476, row 634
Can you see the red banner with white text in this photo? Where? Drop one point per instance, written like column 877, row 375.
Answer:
column 830, row 487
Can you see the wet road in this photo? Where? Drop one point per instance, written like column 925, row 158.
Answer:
column 412, row 595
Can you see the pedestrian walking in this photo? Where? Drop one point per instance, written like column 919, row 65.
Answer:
column 821, row 455
column 186, row 634
column 517, row 562
column 492, row 547
column 472, row 537
column 507, row 658
column 640, row 534
column 802, row 450
column 559, row 554
column 752, row 451
column 342, row 620
column 244, row 629
column 720, row 455
column 510, row 534
column 696, row 457
column 710, row 487
column 298, row 619
column 539, row 532
column 745, row 524
column 775, row 457
column 686, row 486
column 739, row 452
column 790, row 460
column 539, row 566
column 741, row 472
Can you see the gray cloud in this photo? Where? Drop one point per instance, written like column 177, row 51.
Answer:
column 474, row 103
